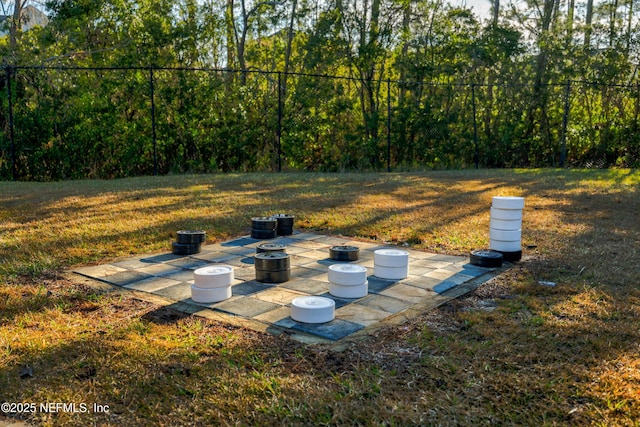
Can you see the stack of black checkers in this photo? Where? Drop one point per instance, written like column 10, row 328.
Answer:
column 188, row 242
column 486, row 258
column 270, row 247
column 270, row 227
column 344, row 253
column 285, row 224
column 264, row 227
column 272, row 267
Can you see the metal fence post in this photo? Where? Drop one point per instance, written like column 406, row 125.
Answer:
column 388, row 125
column 279, row 130
column 565, row 122
column 14, row 172
column 476, row 155
column 153, row 121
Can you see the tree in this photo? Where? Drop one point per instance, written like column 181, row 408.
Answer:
column 15, row 21
column 241, row 25
column 21, row 15
column 543, row 25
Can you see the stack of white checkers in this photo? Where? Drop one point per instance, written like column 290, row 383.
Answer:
column 506, row 226
column 391, row 264
column 348, row 281
column 212, row 283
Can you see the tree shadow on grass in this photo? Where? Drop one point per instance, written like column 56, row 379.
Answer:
column 544, row 343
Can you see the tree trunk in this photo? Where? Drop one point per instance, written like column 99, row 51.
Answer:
column 369, row 35
column 587, row 22
column 230, row 29
column 241, row 44
column 538, row 108
column 287, row 53
column 571, row 7
column 613, row 16
column 404, row 145
column 491, row 77
column 15, row 24
column 374, row 31
column 629, row 26
column 406, row 19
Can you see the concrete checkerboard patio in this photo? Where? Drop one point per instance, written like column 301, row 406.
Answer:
column 166, row 278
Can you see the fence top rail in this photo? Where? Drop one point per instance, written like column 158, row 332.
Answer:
column 10, row 68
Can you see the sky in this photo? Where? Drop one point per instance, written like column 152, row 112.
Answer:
column 482, row 8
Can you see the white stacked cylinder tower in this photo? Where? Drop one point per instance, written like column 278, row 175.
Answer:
column 506, row 226
column 348, row 281
column 391, row 264
column 212, row 283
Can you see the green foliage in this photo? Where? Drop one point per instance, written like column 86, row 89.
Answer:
column 412, row 75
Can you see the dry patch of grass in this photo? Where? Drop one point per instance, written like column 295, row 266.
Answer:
column 512, row 353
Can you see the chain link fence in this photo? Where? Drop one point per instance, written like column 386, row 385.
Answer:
column 72, row 123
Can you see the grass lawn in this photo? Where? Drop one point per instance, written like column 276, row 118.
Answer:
column 514, row 352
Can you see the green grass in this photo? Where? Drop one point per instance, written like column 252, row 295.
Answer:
column 514, row 352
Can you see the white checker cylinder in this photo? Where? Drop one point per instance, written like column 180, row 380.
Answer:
column 313, row 309
column 392, row 273
column 506, row 224
column 508, row 202
column 505, row 233
column 504, row 246
column 506, row 214
column 390, row 258
column 347, row 274
column 213, row 276
column 349, row 291
column 211, row 295
column 391, row 264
